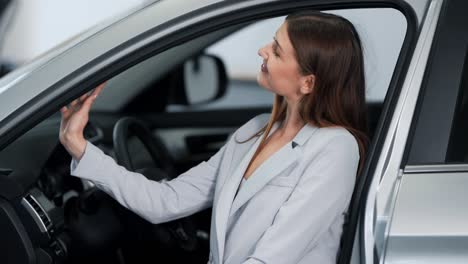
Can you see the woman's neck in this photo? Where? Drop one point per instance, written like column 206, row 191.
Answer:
column 292, row 123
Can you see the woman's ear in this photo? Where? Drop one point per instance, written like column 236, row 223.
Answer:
column 307, row 84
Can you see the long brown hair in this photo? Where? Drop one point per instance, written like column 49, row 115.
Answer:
column 328, row 47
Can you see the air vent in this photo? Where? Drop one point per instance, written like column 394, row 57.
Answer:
column 39, row 215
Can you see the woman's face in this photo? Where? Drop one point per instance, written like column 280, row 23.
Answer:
column 279, row 72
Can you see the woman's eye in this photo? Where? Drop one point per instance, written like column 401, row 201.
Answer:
column 275, row 51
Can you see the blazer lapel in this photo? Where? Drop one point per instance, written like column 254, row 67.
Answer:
column 226, row 205
column 271, row 167
column 226, row 196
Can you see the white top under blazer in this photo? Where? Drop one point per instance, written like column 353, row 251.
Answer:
column 290, row 210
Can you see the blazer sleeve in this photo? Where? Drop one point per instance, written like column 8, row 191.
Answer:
column 321, row 195
column 156, row 202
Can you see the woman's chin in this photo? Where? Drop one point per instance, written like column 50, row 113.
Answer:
column 261, row 81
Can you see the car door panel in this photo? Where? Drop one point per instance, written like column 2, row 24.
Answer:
column 426, row 209
column 429, row 219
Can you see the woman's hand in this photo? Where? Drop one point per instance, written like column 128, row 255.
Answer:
column 74, row 119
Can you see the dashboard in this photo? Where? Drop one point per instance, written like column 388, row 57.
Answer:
column 48, row 216
column 41, row 207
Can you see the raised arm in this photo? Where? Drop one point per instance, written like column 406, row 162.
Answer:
column 155, row 201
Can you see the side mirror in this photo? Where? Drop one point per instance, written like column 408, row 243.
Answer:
column 204, row 80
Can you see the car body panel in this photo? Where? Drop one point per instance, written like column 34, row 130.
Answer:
column 429, row 220
column 427, row 210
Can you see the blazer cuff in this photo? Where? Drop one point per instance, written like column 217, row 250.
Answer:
column 89, row 162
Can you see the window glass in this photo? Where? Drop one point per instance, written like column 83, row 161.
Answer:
column 457, row 151
column 239, row 54
column 440, row 129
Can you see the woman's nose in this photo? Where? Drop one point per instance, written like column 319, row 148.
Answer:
column 262, row 52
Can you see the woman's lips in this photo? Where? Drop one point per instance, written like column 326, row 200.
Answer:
column 264, row 67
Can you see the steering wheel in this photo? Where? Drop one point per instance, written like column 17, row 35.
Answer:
column 181, row 231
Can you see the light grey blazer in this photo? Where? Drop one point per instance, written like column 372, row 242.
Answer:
column 290, row 210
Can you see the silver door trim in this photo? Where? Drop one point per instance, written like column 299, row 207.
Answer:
column 390, row 161
column 436, row 168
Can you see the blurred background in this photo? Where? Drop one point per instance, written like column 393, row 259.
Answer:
column 30, row 28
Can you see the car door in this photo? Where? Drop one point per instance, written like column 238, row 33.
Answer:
column 421, row 205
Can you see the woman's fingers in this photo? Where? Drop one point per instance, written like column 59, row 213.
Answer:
column 83, row 97
column 81, row 105
column 65, row 112
column 86, row 106
column 98, row 89
column 74, row 102
column 75, row 116
column 89, row 100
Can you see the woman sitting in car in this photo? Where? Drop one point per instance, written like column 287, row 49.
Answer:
column 281, row 185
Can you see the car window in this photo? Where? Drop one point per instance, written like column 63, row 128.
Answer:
column 440, row 127
column 239, row 54
column 457, row 151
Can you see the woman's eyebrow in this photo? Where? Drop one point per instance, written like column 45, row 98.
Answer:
column 277, row 43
